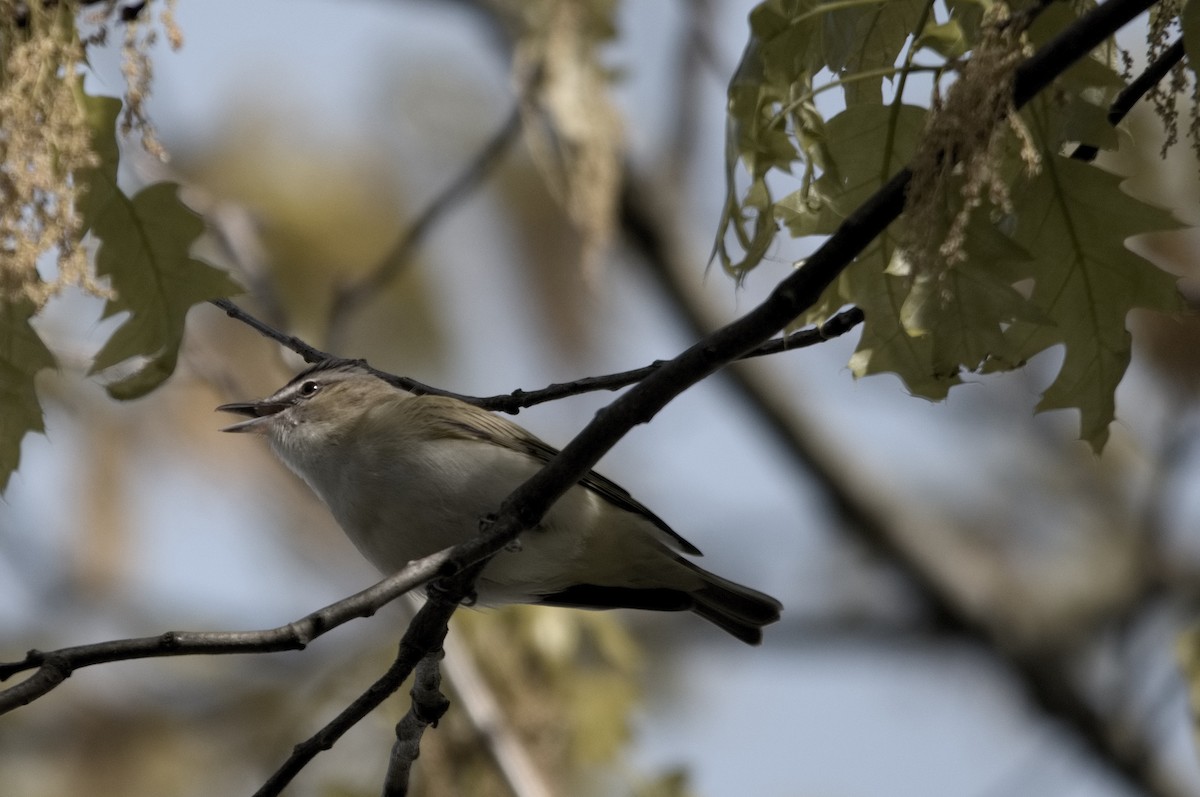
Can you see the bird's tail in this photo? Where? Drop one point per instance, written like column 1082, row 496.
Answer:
column 738, row 610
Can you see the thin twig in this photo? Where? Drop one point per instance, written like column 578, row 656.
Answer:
column 311, row 354
column 54, row 667
column 233, row 229
column 324, row 739
column 514, row 402
column 517, row 400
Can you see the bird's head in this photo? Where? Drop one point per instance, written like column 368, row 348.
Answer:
column 318, row 406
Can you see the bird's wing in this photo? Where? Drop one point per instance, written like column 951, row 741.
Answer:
column 496, row 430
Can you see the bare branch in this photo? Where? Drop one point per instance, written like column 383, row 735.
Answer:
column 514, row 402
column 424, row 635
column 428, row 706
column 311, row 354
column 1129, row 96
column 324, row 739
column 54, row 667
column 234, row 229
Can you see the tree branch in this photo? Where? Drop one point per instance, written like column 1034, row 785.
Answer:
column 1044, row 680
column 527, row 504
column 517, row 400
column 1129, row 96
column 428, row 706
column 311, row 354
column 795, row 294
column 514, row 402
column 54, row 667
column 424, row 635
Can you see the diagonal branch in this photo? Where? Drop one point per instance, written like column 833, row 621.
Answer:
column 304, row 752
column 311, row 354
column 525, row 507
column 1129, row 96
column 795, row 294
column 513, row 402
column 1049, row 686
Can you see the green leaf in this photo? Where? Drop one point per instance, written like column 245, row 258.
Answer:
column 22, row 355
column 144, row 245
column 1074, row 219
column 785, row 37
column 947, row 39
column 144, row 250
column 965, row 309
column 1086, row 123
column 773, row 121
column 885, row 345
column 867, row 146
column 1049, row 268
column 863, row 39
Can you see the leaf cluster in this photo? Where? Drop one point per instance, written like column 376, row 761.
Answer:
column 1007, row 246
column 59, row 162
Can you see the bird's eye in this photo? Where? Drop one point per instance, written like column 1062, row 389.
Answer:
column 309, row 388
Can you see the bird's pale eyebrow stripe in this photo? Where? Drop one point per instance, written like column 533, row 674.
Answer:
column 332, row 364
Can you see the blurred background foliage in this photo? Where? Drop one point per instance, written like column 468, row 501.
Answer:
column 311, row 135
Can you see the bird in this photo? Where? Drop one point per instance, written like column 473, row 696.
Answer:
column 408, row 474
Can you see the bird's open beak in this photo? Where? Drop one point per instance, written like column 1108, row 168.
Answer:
column 260, row 413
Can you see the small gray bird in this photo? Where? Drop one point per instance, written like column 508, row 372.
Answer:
column 407, row 475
